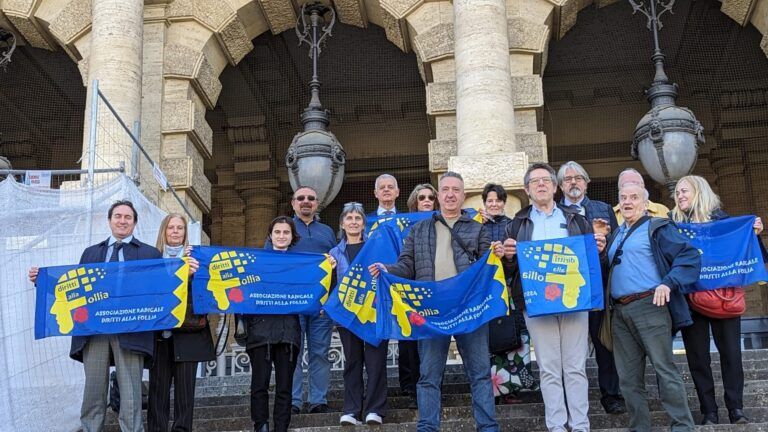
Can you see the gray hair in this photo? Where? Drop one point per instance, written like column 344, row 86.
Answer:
column 453, row 174
column 574, row 166
column 629, row 170
column 385, row 177
column 350, row 207
column 539, row 165
column 645, row 191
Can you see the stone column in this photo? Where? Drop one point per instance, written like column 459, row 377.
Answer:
column 116, row 61
column 485, row 118
column 260, row 209
column 232, row 217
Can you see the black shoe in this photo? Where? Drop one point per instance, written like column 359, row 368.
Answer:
column 710, row 419
column 263, row 428
column 413, row 404
column 320, row 409
column 737, row 416
column 295, row 410
column 613, row 404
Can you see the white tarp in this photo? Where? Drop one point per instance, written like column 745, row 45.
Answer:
column 40, row 386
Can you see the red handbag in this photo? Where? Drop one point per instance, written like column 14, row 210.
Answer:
column 720, row 303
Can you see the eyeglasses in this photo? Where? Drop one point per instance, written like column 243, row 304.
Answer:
column 541, row 180
column 426, row 197
column 309, row 198
column 353, row 206
column 578, row 178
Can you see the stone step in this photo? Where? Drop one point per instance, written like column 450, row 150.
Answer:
column 751, row 389
column 460, row 420
column 241, row 384
column 529, row 407
column 753, row 368
column 749, row 359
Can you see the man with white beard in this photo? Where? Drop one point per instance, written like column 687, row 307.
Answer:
column 573, row 180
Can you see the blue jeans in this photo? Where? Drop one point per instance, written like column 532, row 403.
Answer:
column 473, row 348
column 317, row 329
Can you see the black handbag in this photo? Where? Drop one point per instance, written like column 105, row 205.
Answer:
column 504, row 333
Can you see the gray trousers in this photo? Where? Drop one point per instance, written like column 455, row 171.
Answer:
column 128, row 365
column 561, row 344
column 642, row 329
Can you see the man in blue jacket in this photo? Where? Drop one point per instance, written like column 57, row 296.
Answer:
column 649, row 262
column 314, row 237
column 126, row 351
column 573, row 180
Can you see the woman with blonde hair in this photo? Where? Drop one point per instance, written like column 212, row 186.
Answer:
column 178, row 351
column 695, row 202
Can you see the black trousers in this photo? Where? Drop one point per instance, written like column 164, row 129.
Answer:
column 163, row 372
column 727, row 335
column 408, row 365
column 607, row 377
column 356, row 354
column 283, row 356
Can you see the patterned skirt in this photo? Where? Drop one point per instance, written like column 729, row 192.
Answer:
column 511, row 372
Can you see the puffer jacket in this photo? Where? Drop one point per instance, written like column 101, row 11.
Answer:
column 417, row 257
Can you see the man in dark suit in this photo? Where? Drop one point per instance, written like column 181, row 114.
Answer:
column 573, row 180
column 127, row 351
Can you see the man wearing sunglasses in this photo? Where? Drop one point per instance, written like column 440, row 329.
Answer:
column 318, row 238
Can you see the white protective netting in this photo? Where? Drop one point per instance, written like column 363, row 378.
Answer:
column 40, row 386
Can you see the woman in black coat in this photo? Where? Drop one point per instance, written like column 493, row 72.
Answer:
column 273, row 339
column 177, row 352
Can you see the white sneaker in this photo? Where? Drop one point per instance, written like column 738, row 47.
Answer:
column 373, row 419
column 348, row 420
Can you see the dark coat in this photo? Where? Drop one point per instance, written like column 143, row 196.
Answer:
column 497, row 227
column 597, row 210
column 417, row 257
column 142, row 342
column 192, row 346
column 272, row 329
column 678, row 263
column 521, row 229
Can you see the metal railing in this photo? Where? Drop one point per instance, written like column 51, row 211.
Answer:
column 136, row 150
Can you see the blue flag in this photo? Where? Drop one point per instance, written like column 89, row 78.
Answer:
column 258, row 281
column 353, row 302
column 412, row 310
column 400, row 222
column 560, row 275
column 109, row 298
column 730, row 253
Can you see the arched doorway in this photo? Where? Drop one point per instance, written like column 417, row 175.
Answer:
column 42, row 99
column 377, row 99
column 593, row 93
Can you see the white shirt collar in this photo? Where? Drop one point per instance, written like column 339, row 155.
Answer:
column 381, row 210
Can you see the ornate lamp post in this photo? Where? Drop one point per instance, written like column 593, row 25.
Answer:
column 667, row 138
column 315, row 157
column 7, row 46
